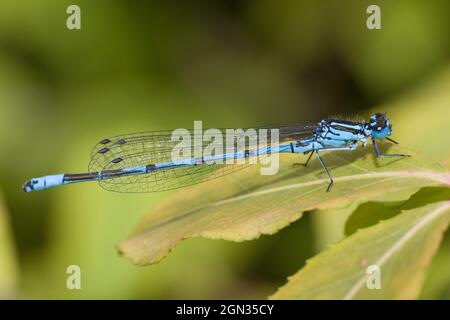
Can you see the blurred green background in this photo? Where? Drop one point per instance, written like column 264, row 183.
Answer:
column 147, row 65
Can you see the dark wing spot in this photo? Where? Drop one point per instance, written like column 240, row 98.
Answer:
column 121, row 141
column 103, row 150
column 117, row 160
column 105, row 141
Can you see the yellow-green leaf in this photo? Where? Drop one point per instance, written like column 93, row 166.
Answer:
column 244, row 205
column 401, row 247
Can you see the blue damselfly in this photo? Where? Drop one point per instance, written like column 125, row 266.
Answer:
column 143, row 162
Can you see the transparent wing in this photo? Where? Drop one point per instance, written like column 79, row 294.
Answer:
column 155, row 147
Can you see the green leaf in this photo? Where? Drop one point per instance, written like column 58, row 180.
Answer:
column 437, row 282
column 401, row 247
column 244, row 205
column 334, row 224
column 370, row 213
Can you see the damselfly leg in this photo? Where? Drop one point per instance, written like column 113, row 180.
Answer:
column 350, row 147
column 326, row 170
column 307, row 160
column 378, row 154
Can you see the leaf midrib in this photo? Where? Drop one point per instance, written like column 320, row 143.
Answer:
column 442, row 178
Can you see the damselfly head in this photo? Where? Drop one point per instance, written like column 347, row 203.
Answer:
column 380, row 126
